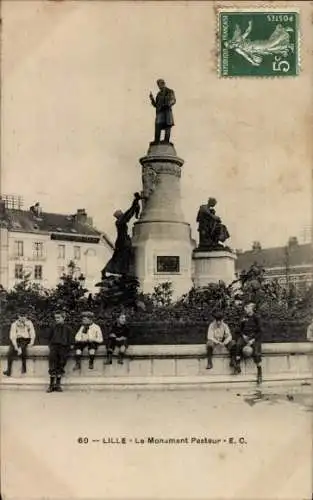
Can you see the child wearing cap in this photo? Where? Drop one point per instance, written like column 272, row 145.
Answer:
column 22, row 334
column 118, row 338
column 219, row 334
column 89, row 336
column 59, row 338
column 249, row 342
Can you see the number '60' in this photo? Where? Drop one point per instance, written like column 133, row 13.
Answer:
column 82, row 440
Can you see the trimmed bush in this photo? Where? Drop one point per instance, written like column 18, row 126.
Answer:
column 155, row 318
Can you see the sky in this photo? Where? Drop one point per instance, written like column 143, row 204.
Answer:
column 76, row 115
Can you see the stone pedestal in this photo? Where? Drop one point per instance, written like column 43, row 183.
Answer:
column 161, row 238
column 213, row 266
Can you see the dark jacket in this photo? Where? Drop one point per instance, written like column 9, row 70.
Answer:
column 163, row 103
column 250, row 326
column 121, row 258
column 60, row 334
column 120, row 330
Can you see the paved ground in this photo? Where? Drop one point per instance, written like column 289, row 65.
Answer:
column 42, row 458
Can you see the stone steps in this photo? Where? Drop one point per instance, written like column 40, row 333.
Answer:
column 25, row 382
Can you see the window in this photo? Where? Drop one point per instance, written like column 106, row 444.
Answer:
column 76, row 253
column 38, row 249
column 168, row 264
column 19, row 248
column 18, row 271
column 38, row 273
column 61, row 251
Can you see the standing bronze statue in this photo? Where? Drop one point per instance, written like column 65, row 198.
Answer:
column 212, row 233
column 163, row 103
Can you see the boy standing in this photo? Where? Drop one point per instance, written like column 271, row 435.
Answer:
column 118, row 338
column 249, row 340
column 219, row 334
column 89, row 336
column 59, row 339
column 22, row 334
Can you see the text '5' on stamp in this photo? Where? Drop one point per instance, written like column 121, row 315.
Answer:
column 259, row 44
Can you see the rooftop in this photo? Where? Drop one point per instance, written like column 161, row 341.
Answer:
column 35, row 220
column 293, row 254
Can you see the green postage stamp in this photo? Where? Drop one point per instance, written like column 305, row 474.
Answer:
column 255, row 43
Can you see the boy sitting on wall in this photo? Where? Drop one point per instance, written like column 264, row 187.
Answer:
column 89, row 336
column 219, row 334
column 22, row 334
column 249, row 343
column 118, row 338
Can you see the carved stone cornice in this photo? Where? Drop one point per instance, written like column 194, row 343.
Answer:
column 164, row 158
column 161, row 167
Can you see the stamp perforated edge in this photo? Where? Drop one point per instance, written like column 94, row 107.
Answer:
column 255, row 8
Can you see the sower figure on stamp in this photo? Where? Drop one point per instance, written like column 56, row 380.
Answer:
column 89, row 336
column 219, row 335
column 249, row 342
column 118, row 338
column 60, row 339
column 163, row 103
column 22, row 334
column 121, row 260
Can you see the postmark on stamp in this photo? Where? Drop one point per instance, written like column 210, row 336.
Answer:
column 260, row 44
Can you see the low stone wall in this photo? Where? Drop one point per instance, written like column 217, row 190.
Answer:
column 293, row 360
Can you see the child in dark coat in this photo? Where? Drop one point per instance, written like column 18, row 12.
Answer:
column 249, row 342
column 59, row 338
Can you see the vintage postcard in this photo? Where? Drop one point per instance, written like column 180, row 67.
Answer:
column 156, row 252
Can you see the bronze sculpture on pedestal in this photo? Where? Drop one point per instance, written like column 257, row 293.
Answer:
column 121, row 260
column 212, row 232
column 163, row 103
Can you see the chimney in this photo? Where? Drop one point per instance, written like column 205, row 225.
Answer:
column 81, row 216
column 293, row 241
column 256, row 246
column 36, row 209
column 2, row 208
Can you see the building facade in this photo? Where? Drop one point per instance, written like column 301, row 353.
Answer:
column 41, row 245
column 289, row 265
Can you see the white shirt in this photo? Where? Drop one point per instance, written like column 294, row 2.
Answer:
column 22, row 331
column 93, row 334
column 219, row 333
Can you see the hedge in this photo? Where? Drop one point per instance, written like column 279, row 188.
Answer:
column 146, row 333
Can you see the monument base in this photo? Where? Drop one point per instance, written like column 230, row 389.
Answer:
column 163, row 253
column 212, row 266
column 161, row 238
